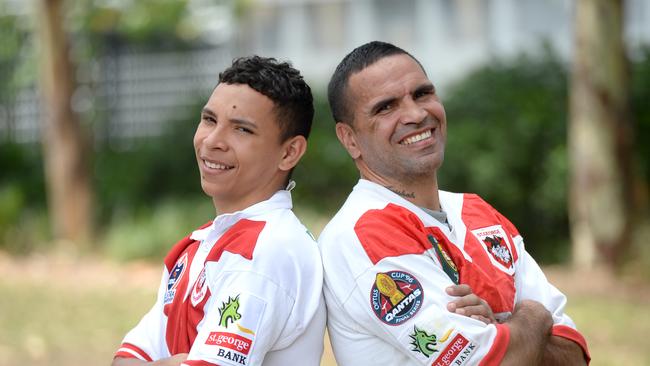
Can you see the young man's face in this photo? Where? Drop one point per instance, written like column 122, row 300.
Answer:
column 399, row 124
column 238, row 148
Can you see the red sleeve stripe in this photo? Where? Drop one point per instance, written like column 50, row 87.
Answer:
column 499, row 347
column 572, row 334
column 128, row 350
column 198, row 363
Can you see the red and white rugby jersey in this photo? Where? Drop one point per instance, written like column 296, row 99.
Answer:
column 387, row 264
column 245, row 289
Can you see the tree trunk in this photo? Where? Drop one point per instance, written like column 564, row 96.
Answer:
column 600, row 137
column 65, row 147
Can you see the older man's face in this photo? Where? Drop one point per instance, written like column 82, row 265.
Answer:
column 398, row 121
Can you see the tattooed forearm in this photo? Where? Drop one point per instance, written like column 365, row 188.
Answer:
column 402, row 192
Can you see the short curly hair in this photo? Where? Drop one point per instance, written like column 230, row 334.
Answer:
column 280, row 82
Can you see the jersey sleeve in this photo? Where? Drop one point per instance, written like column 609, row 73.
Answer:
column 532, row 284
column 244, row 318
column 403, row 301
column 145, row 342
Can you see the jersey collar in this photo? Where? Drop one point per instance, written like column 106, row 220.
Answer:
column 365, row 185
column 280, row 200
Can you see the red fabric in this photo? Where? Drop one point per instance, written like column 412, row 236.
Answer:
column 390, row 232
column 480, row 214
column 182, row 316
column 179, row 247
column 499, row 347
column 239, row 239
column 180, row 332
column 395, row 231
column 135, row 349
column 572, row 334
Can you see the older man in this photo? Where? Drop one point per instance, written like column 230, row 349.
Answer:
column 399, row 250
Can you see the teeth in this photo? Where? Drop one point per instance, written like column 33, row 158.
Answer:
column 216, row 166
column 416, row 138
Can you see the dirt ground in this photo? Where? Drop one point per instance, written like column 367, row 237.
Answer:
column 612, row 311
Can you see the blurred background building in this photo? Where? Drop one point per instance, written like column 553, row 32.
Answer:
column 132, row 91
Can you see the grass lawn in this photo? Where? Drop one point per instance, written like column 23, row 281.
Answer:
column 58, row 311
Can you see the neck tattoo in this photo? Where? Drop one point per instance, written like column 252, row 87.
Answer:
column 402, row 192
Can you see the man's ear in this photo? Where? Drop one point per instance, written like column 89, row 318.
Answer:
column 348, row 139
column 293, row 149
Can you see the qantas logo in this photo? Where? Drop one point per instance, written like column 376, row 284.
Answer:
column 395, row 297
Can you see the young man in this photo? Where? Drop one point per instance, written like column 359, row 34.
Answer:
column 244, row 289
column 400, row 251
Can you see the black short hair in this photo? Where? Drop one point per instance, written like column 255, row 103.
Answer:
column 280, row 82
column 355, row 61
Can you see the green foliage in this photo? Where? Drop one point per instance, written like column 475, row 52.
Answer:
column 150, row 232
column 326, row 173
column 17, row 61
column 149, row 192
column 507, row 142
column 147, row 170
column 22, row 198
column 145, row 24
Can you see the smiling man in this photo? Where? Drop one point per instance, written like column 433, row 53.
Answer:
column 245, row 289
column 415, row 275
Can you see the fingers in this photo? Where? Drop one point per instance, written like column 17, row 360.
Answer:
column 459, row 290
column 469, row 304
column 478, row 310
column 468, row 300
column 482, row 319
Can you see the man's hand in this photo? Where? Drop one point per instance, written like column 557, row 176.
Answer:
column 530, row 330
column 469, row 304
column 174, row 360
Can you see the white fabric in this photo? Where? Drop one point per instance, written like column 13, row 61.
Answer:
column 358, row 335
column 278, row 295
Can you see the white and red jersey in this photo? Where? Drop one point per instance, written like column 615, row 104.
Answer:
column 245, row 289
column 387, row 263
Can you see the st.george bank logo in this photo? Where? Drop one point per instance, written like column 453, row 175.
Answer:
column 395, row 297
column 229, row 340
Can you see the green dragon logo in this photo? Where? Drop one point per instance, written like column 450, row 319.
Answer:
column 423, row 342
column 228, row 312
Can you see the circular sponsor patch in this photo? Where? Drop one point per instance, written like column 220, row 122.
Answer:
column 395, row 297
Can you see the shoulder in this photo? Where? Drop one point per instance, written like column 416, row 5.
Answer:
column 379, row 231
column 476, row 212
column 275, row 236
column 283, row 230
column 285, row 249
column 273, row 248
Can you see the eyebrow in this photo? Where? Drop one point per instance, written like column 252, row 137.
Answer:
column 245, row 123
column 239, row 121
column 208, row 111
column 375, row 107
column 426, row 87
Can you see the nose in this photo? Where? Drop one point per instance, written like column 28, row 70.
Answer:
column 412, row 112
column 216, row 138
